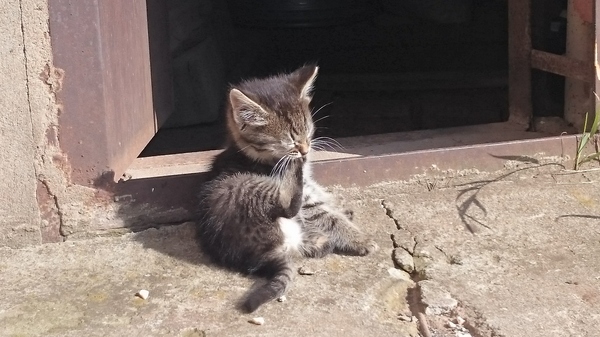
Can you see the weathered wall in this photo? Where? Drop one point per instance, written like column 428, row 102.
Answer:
column 33, row 170
column 42, row 83
column 62, row 205
column 19, row 215
column 65, row 209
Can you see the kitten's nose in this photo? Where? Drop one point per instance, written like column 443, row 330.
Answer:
column 302, row 148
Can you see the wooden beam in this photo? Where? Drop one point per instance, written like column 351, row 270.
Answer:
column 581, row 38
column 519, row 62
column 109, row 107
column 561, row 65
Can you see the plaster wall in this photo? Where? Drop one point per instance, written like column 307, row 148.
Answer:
column 19, row 214
column 35, row 193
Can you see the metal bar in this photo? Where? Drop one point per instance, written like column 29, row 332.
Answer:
column 561, row 65
column 519, row 61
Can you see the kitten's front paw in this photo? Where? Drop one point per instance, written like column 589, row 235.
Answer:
column 296, row 166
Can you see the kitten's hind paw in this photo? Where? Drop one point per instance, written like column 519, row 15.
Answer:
column 370, row 247
column 362, row 248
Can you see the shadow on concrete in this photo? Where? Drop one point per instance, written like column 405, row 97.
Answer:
column 580, row 216
column 521, row 159
column 177, row 241
column 161, row 211
column 471, row 205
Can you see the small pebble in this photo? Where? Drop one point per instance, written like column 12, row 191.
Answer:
column 282, row 299
column 305, row 271
column 459, row 320
column 143, row 294
column 257, row 320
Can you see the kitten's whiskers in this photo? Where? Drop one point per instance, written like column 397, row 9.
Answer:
column 322, row 118
column 277, row 166
column 319, row 109
column 326, row 143
column 280, row 166
column 317, row 146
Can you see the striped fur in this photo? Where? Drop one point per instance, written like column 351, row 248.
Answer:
column 261, row 207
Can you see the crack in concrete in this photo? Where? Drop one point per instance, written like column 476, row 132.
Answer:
column 415, row 304
column 475, row 325
column 26, row 64
column 57, row 207
column 414, row 247
column 389, row 213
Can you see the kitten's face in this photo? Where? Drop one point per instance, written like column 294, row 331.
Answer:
column 281, row 136
column 270, row 118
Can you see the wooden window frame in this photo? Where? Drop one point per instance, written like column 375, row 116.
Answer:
column 117, row 91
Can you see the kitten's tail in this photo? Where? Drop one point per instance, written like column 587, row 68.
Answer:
column 279, row 275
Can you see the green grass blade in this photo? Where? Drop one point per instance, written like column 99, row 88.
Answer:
column 595, row 125
column 585, row 137
column 590, row 157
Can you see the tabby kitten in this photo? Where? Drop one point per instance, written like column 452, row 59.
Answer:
column 260, row 207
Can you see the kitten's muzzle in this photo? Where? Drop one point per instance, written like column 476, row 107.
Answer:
column 302, row 148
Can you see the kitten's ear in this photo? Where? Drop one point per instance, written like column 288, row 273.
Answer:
column 245, row 110
column 305, row 78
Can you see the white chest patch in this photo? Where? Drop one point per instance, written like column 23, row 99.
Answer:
column 292, row 233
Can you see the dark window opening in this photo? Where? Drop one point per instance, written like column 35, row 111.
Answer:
column 385, row 66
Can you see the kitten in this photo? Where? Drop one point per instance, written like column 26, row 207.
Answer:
column 261, row 207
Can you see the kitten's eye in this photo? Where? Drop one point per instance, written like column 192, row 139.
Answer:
column 290, row 142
